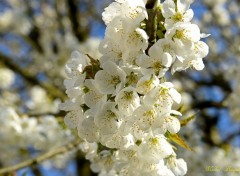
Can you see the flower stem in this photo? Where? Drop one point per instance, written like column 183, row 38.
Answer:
column 151, row 23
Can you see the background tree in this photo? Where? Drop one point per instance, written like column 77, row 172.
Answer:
column 37, row 39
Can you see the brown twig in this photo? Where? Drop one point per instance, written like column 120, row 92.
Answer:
column 41, row 158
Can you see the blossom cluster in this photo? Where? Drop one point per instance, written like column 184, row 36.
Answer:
column 121, row 104
column 23, row 137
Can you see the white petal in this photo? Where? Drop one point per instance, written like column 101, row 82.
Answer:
column 166, row 59
column 176, row 113
column 173, row 125
column 175, row 95
column 201, row 49
column 183, row 5
column 203, row 35
column 73, row 118
column 155, row 51
column 198, row 64
column 188, row 15
column 168, row 8
column 147, row 83
column 180, row 167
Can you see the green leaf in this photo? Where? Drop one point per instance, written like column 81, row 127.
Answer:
column 178, row 140
column 160, row 34
column 185, row 121
column 181, row 108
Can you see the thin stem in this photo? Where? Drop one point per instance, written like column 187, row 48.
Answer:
column 41, row 158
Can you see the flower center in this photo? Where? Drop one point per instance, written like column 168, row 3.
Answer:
column 115, row 80
column 110, row 114
column 179, row 34
column 153, row 141
column 177, row 17
column 128, row 95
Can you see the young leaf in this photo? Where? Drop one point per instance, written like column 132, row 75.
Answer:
column 185, row 121
column 178, row 140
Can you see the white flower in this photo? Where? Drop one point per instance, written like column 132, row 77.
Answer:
column 76, row 65
column 90, row 149
column 127, row 100
column 178, row 166
column 167, row 46
column 133, row 74
column 108, row 119
column 126, row 44
column 111, row 79
column 163, row 170
column 184, row 35
column 134, row 11
column 136, row 40
column 156, row 63
column 201, row 49
column 74, row 118
column 111, row 51
column 163, row 95
column 127, row 37
column 170, row 123
column 70, row 105
column 104, row 162
column 146, row 117
column 74, row 86
column 154, row 149
column 87, row 129
column 93, row 96
column 147, row 83
column 192, row 62
column 129, row 58
column 118, row 140
column 191, row 58
column 174, row 15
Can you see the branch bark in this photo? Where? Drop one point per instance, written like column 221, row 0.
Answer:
column 151, row 23
column 41, row 158
column 80, row 32
column 208, row 104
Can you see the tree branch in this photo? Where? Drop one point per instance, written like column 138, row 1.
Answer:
column 41, row 158
column 230, row 137
column 57, row 114
column 80, row 32
column 52, row 91
column 208, row 104
column 151, row 23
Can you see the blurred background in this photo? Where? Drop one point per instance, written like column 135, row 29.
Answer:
column 36, row 40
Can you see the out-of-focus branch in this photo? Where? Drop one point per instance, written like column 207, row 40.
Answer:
column 58, row 114
column 36, row 170
column 208, row 104
column 217, row 79
column 34, row 35
column 59, row 17
column 52, row 91
column 80, row 32
column 83, row 166
column 230, row 137
column 41, row 158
